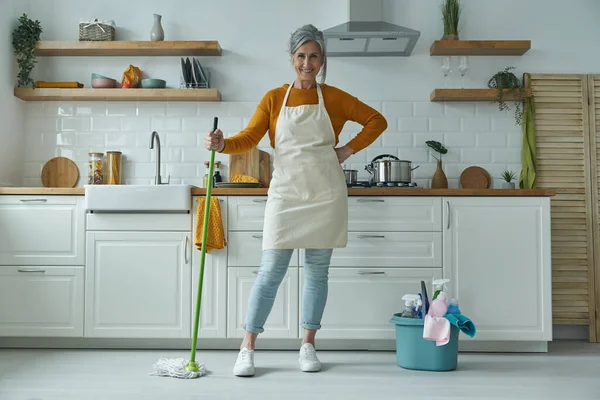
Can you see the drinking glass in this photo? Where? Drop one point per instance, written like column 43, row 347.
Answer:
column 463, row 66
column 446, row 69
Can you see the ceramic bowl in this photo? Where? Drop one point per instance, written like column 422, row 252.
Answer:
column 98, row 76
column 104, row 83
column 153, row 83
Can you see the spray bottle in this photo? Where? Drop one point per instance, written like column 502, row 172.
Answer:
column 439, row 286
column 411, row 303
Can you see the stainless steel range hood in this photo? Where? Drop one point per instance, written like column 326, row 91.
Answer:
column 367, row 35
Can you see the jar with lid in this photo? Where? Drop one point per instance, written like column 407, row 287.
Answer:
column 205, row 181
column 96, row 169
column 113, row 167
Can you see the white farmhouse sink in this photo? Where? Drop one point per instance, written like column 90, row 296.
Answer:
column 138, row 197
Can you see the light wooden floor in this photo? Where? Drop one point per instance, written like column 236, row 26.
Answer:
column 571, row 370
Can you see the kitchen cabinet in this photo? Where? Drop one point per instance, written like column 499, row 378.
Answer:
column 283, row 319
column 497, row 257
column 41, row 301
column 213, row 307
column 42, row 230
column 138, row 285
column 361, row 301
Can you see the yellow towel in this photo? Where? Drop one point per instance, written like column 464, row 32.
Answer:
column 528, row 152
column 242, row 178
column 216, row 235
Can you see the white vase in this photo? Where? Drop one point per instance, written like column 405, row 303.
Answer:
column 157, row 34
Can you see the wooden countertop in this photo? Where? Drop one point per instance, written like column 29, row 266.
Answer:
column 351, row 192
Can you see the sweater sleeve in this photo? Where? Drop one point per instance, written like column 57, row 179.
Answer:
column 372, row 121
column 249, row 137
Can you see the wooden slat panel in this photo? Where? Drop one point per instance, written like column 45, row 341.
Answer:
column 594, row 273
column 563, row 163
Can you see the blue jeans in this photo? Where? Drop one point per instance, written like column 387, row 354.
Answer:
column 273, row 268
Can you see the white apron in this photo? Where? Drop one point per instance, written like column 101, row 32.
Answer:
column 307, row 205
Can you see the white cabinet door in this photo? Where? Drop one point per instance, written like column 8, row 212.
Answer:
column 213, row 309
column 41, row 301
column 497, row 256
column 283, row 319
column 41, row 230
column 361, row 302
column 388, row 249
column 396, row 214
column 246, row 213
column 138, row 285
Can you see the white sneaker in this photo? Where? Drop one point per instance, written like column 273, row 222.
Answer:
column 244, row 365
column 308, row 358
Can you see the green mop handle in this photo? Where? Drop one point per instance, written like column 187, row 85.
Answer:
column 203, row 252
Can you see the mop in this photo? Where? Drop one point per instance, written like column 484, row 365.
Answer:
column 178, row 367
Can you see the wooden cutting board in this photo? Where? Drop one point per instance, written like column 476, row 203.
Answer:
column 475, row 178
column 60, row 172
column 255, row 163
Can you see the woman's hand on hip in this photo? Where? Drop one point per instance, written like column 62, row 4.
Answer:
column 214, row 140
column 343, row 153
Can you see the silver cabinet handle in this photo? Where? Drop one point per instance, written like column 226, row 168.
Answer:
column 371, row 201
column 448, row 205
column 34, row 200
column 185, row 248
column 255, row 272
column 257, row 236
column 371, row 272
column 32, row 271
column 371, row 236
column 259, row 200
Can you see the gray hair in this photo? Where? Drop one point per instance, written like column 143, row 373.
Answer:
column 305, row 34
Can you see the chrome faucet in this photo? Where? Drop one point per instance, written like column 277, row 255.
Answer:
column 157, row 180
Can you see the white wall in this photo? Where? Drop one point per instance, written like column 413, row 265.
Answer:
column 254, row 39
column 12, row 134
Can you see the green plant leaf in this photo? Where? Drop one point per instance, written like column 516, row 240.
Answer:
column 24, row 38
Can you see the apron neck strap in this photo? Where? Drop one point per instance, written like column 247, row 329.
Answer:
column 287, row 94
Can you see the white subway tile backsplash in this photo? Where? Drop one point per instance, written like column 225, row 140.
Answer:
column 413, row 124
column 444, row 124
column 106, row 124
column 472, row 156
column 395, row 109
column 481, row 124
column 428, row 109
column 475, row 133
column 459, row 139
column 166, row 124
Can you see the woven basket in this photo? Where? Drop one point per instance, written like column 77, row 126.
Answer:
column 96, row 31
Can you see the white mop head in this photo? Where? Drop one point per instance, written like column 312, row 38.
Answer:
column 175, row 368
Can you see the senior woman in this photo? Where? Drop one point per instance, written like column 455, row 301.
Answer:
column 307, row 203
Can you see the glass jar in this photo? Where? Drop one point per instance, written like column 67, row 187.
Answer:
column 113, row 167
column 96, row 169
column 205, row 180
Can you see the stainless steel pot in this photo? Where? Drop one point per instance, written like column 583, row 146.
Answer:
column 390, row 170
column 351, row 176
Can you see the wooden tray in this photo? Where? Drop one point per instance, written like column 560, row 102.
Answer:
column 475, row 178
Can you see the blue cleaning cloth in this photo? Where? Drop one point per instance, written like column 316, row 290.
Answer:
column 463, row 323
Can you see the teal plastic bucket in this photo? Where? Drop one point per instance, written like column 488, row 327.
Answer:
column 414, row 352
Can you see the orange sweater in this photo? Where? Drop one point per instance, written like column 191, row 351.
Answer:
column 340, row 106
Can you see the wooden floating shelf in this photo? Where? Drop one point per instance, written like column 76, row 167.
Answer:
column 43, row 94
column 479, row 47
column 129, row 48
column 471, row 94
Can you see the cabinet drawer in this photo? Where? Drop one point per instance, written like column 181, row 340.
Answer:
column 246, row 213
column 361, row 302
column 41, row 230
column 245, row 250
column 399, row 214
column 389, row 249
column 41, row 301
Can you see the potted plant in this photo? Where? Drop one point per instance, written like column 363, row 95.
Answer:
column 450, row 17
column 25, row 36
column 508, row 177
column 439, row 180
column 507, row 80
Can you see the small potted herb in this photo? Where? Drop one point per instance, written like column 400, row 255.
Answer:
column 450, row 16
column 439, row 180
column 508, row 177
